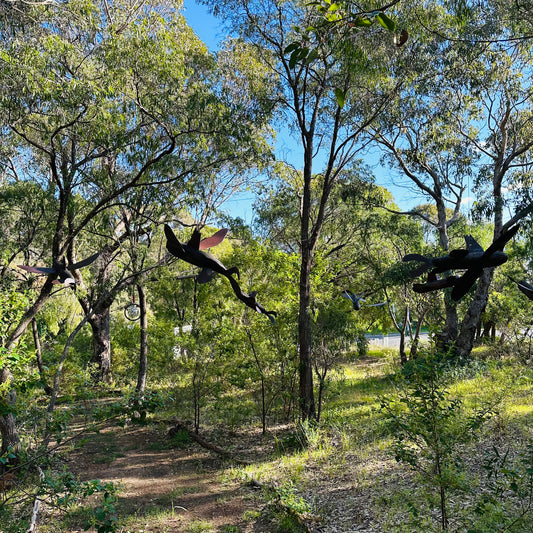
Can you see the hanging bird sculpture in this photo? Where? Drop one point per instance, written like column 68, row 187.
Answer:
column 192, row 253
column 59, row 268
column 357, row 299
column 473, row 259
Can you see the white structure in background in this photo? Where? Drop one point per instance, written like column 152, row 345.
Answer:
column 178, row 351
column 392, row 340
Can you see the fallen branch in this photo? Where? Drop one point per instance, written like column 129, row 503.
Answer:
column 181, row 426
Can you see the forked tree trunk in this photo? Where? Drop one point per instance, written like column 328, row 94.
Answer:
column 465, row 340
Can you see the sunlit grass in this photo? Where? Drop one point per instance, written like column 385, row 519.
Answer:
column 353, row 426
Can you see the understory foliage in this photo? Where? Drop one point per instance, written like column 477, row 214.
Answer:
column 435, row 433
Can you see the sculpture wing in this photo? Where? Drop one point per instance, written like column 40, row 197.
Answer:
column 472, row 245
column 414, row 257
column 173, row 245
column 463, row 284
column 85, row 262
column 526, row 288
column 502, row 240
column 435, row 284
column 459, row 253
column 37, row 270
column 194, row 241
column 215, row 239
column 424, row 267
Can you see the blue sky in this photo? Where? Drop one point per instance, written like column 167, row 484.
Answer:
column 204, row 25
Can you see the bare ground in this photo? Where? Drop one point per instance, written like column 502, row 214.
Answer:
column 169, row 489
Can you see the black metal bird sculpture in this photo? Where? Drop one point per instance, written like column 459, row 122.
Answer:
column 192, row 253
column 250, row 301
column 473, row 259
column 434, row 284
column 59, row 268
column 493, row 256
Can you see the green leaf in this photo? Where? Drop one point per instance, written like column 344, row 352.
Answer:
column 332, row 17
column 340, row 97
column 291, row 47
column 386, row 21
column 294, row 58
column 361, row 22
column 311, row 57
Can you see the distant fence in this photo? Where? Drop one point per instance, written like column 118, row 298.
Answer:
column 392, row 340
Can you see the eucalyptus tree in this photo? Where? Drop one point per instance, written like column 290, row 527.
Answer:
column 491, row 84
column 329, row 90
column 464, row 122
column 102, row 98
column 419, row 139
column 340, row 260
column 504, row 108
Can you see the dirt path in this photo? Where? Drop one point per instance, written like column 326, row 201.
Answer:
column 167, row 486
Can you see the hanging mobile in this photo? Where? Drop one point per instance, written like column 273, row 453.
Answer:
column 132, row 311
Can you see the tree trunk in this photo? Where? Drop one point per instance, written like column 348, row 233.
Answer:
column 143, row 351
column 451, row 328
column 306, row 393
column 465, row 340
column 413, row 352
column 403, row 355
column 321, row 386
column 17, row 333
column 478, row 330
column 100, row 325
column 8, row 428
